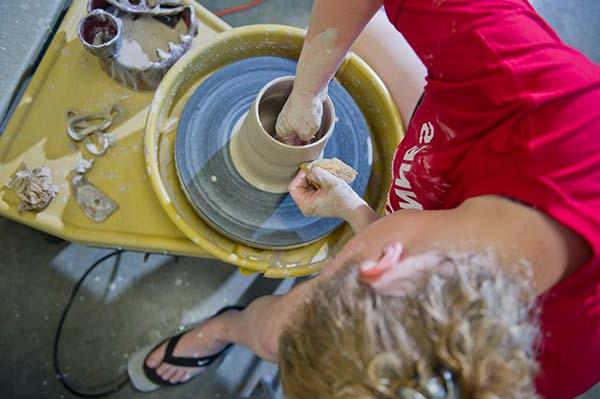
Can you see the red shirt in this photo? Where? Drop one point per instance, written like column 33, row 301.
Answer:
column 510, row 110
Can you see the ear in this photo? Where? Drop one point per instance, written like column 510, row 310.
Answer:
column 371, row 270
column 404, row 274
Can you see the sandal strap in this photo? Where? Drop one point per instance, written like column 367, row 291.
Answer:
column 183, row 361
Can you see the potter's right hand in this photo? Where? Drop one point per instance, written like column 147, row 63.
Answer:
column 333, row 197
column 300, row 118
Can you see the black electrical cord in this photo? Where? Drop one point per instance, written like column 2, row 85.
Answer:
column 69, row 386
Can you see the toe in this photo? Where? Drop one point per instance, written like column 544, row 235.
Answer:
column 169, row 374
column 163, row 369
column 177, row 377
column 155, row 357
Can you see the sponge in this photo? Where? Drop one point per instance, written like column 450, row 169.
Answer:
column 333, row 166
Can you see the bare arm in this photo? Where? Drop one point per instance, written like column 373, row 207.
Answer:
column 515, row 231
column 333, row 28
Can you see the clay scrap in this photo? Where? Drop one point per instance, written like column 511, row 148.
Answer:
column 34, row 187
column 94, row 203
column 90, row 128
column 84, row 166
column 333, row 166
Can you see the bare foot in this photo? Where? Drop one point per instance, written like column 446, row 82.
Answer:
column 198, row 342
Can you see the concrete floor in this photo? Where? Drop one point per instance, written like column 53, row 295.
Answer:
column 129, row 302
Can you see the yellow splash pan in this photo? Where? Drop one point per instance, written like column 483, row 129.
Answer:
column 180, row 82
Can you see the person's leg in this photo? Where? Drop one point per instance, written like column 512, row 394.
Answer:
column 396, row 63
column 238, row 327
column 203, row 340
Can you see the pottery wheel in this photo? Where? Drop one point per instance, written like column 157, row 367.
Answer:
column 211, row 182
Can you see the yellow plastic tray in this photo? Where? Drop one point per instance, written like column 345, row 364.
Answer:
column 180, row 82
column 36, row 134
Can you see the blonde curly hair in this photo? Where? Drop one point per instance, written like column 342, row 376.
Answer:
column 467, row 329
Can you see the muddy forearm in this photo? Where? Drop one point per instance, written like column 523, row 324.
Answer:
column 333, row 28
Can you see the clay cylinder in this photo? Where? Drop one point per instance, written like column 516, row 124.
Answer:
column 259, row 157
column 101, row 34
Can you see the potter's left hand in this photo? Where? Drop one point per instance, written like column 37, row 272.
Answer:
column 300, row 119
column 333, row 198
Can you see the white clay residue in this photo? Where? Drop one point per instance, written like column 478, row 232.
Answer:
column 326, row 38
column 143, row 36
column 84, row 165
column 317, row 51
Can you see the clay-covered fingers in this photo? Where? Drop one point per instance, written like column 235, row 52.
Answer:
column 303, row 193
column 299, row 120
column 323, row 178
column 293, row 140
column 320, row 193
column 289, row 136
column 286, row 135
column 299, row 185
column 283, row 129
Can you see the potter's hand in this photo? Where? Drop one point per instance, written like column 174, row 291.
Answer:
column 300, row 118
column 333, row 198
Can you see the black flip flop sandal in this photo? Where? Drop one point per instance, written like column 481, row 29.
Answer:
column 146, row 379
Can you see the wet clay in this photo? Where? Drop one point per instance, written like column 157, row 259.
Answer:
column 269, row 109
column 258, row 156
